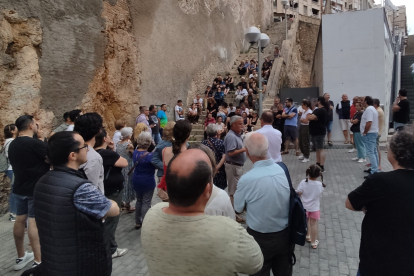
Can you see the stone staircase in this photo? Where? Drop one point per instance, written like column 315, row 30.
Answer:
column 277, row 34
column 407, row 81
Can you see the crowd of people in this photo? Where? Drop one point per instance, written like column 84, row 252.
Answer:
column 68, row 189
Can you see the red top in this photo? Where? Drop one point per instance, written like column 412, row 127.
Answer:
column 211, row 121
column 352, row 111
column 163, row 184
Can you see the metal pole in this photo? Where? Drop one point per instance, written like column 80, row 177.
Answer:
column 286, row 21
column 259, row 49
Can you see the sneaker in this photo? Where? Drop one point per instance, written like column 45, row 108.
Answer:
column 301, row 157
column 12, row 218
column 351, row 150
column 119, row 252
column 305, row 160
column 323, row 169
column 35, row 264
column 22, row 262
column 355, row 159
column 362, row 160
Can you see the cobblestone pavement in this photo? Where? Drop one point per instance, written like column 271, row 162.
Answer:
column 339, row 228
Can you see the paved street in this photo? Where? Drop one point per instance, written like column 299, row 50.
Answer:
column 339, row 229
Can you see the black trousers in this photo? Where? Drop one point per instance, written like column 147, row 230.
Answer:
column 112, row 222
column 277, row 252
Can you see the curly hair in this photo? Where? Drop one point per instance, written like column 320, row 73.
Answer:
column 402, row 146
column 167, row 134
column 138, row 129
column 181, row 132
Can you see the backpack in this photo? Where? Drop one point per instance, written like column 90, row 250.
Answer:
column 4, row 161
column 297, row 214
column 219, row 96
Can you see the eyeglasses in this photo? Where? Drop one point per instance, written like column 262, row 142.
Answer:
column 84, row 147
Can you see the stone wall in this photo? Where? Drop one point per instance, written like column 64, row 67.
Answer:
column 111, row 56
column 293, row 69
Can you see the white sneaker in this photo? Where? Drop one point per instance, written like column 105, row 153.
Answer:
column 351, row 150
column 301, row 157
column 362, row 160
column 119, row 252
column 354, row 159
column 305, row 160
column 22, row 262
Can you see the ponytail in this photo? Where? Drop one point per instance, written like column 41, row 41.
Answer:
column 181, row 132
column 314, row 171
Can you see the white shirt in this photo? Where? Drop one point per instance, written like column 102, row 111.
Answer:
column 219, row 204
column 242, row 93
column 412, row 67
column 192, row 110
column 6, row 151
column 177, row 116
column 370, row 115
column 274, row 137
column 221, row 126
column 229, row 110
column 200, row 101
column 311, row 194
column 304, row 114
column 117, row 137
column 252, row 76
column 246, row 110
column 70, row 128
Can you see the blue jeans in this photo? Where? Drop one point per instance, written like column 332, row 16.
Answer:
column 370, row 143
column 397, row 125
column 358, row 273
column 12, row 200
column 156, row 137
column 329, row 126
column 359, row 145
column 142, row 205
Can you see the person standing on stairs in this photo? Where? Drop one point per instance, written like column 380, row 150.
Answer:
column 401, row 110
column 412, row 72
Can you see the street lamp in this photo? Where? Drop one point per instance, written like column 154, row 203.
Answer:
column 254, row 36
column 285, row 4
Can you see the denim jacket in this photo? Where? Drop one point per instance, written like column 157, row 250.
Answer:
column 157, row 157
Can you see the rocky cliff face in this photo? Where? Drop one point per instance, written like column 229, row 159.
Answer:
column 111, row 56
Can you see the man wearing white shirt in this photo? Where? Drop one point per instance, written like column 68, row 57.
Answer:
column 369, row 130
column 273, row 136
column 179, row 111
column 240, row 94
column 412, row 72
column 199, row 102
column 244, row 109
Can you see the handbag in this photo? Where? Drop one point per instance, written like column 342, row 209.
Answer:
column 136, row 163
column 163, row 195
column 4, row 161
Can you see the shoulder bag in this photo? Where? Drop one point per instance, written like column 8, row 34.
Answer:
column 4, row 161
column 136, row 163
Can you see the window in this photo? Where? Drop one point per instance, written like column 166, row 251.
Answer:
column 275, row 3
column 295, row 6
column 305, row 10
column 315, row 1
column 346, row 5
column 350, row 6
column 315, row 12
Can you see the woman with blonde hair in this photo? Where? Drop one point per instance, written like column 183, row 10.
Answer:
column 141, row 127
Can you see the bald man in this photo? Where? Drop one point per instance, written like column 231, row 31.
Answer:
column 265, row 187
column 178, row 238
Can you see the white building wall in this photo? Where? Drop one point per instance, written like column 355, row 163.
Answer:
column 356, row 59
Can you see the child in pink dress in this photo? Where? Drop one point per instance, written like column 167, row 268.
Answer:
column 310, row 192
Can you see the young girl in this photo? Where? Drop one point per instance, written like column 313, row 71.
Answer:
column 310, row 192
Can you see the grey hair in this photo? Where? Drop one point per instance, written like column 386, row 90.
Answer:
column 126, row 132
column 144, row 140
column 256, row 144
column 235, row 119
column 211, row 130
